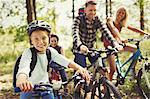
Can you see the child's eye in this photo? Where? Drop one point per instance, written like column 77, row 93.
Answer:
column 53, row 40
column 44, row 38
column 36, row 39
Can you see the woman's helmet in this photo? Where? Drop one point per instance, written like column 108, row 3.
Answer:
column 38, row 25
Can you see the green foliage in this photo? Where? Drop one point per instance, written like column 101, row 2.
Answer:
column 143, row 82
column 2, row 31
column 128, row 88
column 7, row 61
column 13, row 41
column 7, row 68
column 21, row 34
column 68, row 53
column 51, row 18
column 6, row 58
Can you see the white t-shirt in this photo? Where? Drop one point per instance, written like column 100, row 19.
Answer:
column 40, row 74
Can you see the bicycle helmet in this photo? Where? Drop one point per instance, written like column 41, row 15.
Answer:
column 38, row 25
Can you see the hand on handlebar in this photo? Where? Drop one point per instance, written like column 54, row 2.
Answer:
column 118, row 47
column 83, row 49
column 23, row 83
column 147, row 36
column 37, row 87
column 85, row 74
column 124, row 40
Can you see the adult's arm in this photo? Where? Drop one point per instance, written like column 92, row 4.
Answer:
column 106, row 33
column 75, row 32
column 136, row 30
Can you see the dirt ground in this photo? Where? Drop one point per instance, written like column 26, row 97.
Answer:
column 8, row 95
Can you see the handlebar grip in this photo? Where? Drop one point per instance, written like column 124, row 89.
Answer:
column 17, row 89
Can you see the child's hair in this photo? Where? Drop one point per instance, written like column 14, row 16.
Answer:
column 38, row 25
column 53, row 35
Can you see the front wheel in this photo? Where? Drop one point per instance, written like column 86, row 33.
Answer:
column 67, row 96
column 143, row 81
column 110, row 91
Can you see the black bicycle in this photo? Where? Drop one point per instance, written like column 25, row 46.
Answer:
column 62, row 92
column 99, row 86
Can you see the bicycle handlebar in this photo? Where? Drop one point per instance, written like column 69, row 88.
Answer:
column 69, row 80
column 48, row 86
column 37, row 87
column 138, row 40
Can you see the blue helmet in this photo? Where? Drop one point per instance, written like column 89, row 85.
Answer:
column 38, row 25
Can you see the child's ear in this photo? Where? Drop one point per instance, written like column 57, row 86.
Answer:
column 30, row 42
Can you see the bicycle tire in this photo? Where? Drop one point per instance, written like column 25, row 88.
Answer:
column 67, row 96
column 143, row 81
column 109, row 90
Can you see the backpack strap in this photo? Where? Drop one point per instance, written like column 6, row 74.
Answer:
column 48, row 54
column 32, row 65
column 33, row 60
column 16, row 67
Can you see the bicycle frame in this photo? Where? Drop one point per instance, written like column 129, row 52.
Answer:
column 121, row 76
column 133, row 58
column 99, row 78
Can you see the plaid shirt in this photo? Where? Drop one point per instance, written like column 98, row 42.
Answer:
column 87, row 37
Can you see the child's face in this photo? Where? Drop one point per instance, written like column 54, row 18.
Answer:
column 53, row 41
column 40, row 40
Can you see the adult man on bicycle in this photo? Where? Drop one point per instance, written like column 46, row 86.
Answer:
column 84, row 30
column 84, row 33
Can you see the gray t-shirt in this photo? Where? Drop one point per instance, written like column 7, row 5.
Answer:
column 40, row 73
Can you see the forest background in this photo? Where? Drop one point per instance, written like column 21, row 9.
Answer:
column 16, row 14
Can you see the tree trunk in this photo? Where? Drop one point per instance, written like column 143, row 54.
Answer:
column 106, row 8
column 73, row 12
column 110, row 5
column 31, row 10
column 142, row 14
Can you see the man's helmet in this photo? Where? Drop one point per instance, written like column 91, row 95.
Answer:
column 38, row 25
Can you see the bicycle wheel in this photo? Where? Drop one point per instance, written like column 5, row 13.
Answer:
column 110, row 90
column 143, row 81
column 79, row 91
column 67, row 96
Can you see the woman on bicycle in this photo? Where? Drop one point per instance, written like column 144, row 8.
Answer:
column 115, row 26
column 39, row 32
